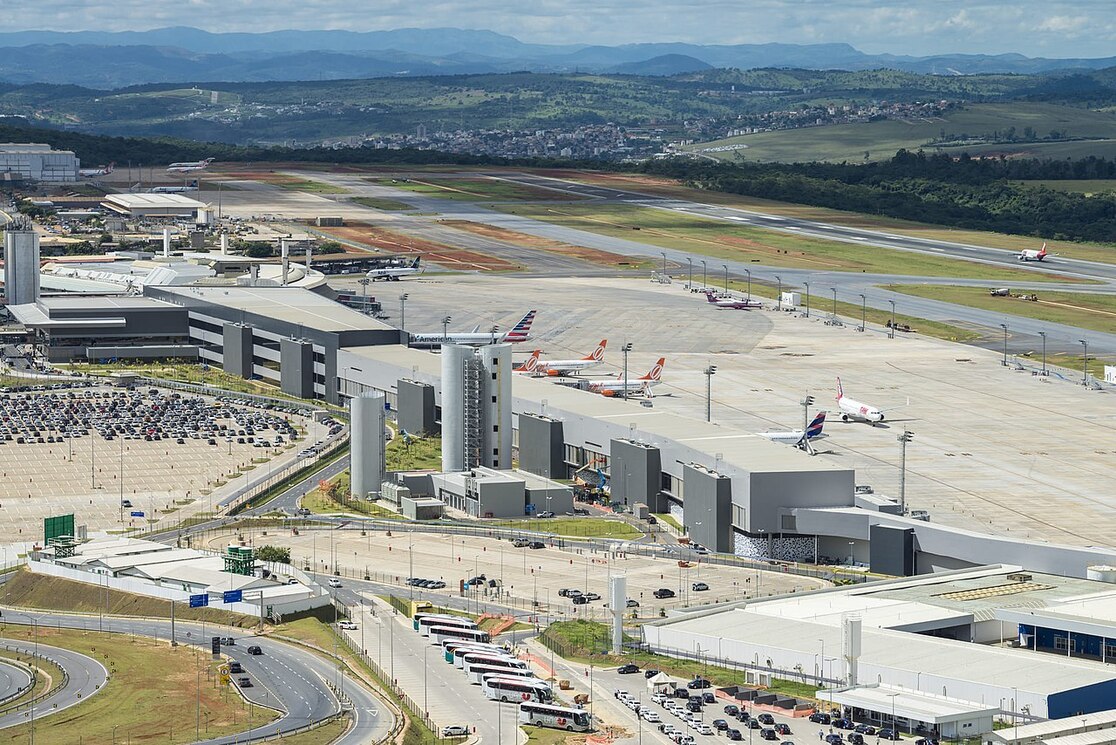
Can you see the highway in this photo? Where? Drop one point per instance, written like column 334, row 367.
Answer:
column 285, row 677
column 13, row 678
column 86, row 677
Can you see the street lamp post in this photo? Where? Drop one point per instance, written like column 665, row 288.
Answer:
column 807, row 284
column 625, row 349
column 704, row 275
column 709, row 372
column 903, row 440
column 834, row 302
column 891, row 331
column 749, row 273
column 1005, row 328
column 1085, row 373
column 445, row 328
column 726, row 278
column 403, row 311
column 778, row 298
column 863, row 311
column 1043, row 335
column 664, row 263
column 690, row 282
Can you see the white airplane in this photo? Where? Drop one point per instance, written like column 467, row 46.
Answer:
column 393, row 273
column 1028, row 254
column 854, row 411
column 731, row 304
column 192, row 186
column 799, row 438
column 534, row 366
column 98, row 171
column 519, row 333
column 189, row 167
column 641, row 385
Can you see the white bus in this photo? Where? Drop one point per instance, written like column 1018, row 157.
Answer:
column 483, row 659
column 510, row 688
column 559, row 717
column 428, row 622
column 460, row 649
column 477, row 673
column 439, row 634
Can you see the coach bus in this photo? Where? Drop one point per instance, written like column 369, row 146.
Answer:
column 510, row 688
column 424, row 624
column 477, row 673
column 459, row 649
column 439, row 634
column 473, row 659
column 558, row 717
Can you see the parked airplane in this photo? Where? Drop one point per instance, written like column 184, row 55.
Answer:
column 641, row 385
column 519, row 333
column 534, row 366
column 731, row 304
column 1028, row 254
column 797, row 437
column 98, row 171
column 393, row 273
column 854, row 410
column 189, row 167
column 191, row 186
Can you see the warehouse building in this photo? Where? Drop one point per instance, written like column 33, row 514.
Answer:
column 33, row 161
column 155, row 206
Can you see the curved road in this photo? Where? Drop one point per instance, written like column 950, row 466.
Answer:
column 285, row 677
column 13, row 678
column 86, row 677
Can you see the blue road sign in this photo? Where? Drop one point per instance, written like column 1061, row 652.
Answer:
column 137, row 513
column 198, row 601
column 232, row 596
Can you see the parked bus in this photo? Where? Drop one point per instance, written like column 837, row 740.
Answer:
column 459, row 649
column 510, row 688
column 477, row 673
column 426, row 623
column 439, row 634
column 558, row 717
column 475, row 659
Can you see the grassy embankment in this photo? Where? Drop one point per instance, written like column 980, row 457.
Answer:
column 151, row 693
column 597, row 527
column 723, row 240
column 477, row 189
column 584, row 642
column 418, row 454
column 381, row 203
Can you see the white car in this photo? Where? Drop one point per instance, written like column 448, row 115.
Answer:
column 334, row 582
column 704, row 729
column 650, row 715
column 659, row 698
column 455, row 730
column 348, row 625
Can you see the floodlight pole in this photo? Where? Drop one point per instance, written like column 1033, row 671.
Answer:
column 903, row 440
column 709, row 372
column 863, row 311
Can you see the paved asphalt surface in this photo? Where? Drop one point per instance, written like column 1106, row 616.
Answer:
column 284, row 676
column 13, row 679
column 86, row 677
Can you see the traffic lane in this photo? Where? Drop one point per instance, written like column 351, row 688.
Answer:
column 307, row 686
column 13, row 680
column 288, row 500
column 86, row 677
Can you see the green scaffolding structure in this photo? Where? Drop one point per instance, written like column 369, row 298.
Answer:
column 240, row 560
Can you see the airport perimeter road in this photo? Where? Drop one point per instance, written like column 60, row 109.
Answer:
column 285, row 677
column 13, row 680
column 86, row 678
column 288, row 500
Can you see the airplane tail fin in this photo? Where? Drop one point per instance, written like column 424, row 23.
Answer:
column 710, row 298
column 840, row 391
column 111, row 167
column 656, row 372
column 415, row 263
column 598, row 353
column 531, row 363
column 815, row 428
column 1042, row 251
column 521, row 331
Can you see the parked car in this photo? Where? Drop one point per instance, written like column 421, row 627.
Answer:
column 887, row 733
column 783, row 729
column 592, row 596
column 766, row 719
column 843, row 723
column 855, row 738
column 580, row 600
column 536, row 544
column 347, row 625
column 700, row 587
column 334, row 582
column 521, row 543
column 834, row 739
column 698, row 683
column 769, row 734
column 926, row 741
column 734, row 734
column 650, row 673
column 720, row 725
column 663, row 593
column 631, row 603
column 628, row 669
column 545, row 513
column 865, row 729
column 455, row 730
column 732, row 710
column 819, row 717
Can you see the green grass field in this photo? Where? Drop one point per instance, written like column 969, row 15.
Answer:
column 379, row 203
column 312, row 187
column 419, row 454
column 1087, row 311
column 765, row 247
column 477, row 189
column 850, row 142
column 590, row 526
column 1083, row 186
column 150, row 697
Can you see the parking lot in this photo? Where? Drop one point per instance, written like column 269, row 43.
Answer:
column 86, row 450
column 522, row 574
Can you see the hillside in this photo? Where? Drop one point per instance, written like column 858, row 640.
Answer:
column 995, row 128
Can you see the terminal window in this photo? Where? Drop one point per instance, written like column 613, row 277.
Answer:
column 1061, row 642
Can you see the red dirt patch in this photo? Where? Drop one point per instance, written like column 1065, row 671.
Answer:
column 381, row 239
column 591, row 255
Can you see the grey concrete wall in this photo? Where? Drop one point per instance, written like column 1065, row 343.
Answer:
column 541, row 446
column 21, row 266
column 415, row 409
column 296, row 367
column 236, row 357
column 453, row 406
column 145, row 352
column 501, row 499
column 497, row 405
column 708, row 508
column 892, row 550
column 560, row 500
column 767, row 494
column 367, row 444
column 635, row 474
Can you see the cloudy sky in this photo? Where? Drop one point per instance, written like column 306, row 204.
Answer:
column 1083, row 28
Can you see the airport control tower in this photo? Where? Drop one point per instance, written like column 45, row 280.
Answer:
column 476, row 407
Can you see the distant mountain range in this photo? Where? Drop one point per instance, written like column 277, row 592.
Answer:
column 173, row 55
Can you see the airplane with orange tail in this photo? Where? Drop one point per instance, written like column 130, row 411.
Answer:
column 621, row 385
column 555, row 368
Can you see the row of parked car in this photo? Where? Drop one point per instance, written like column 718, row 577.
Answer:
column 428, row 584
column 859, row 731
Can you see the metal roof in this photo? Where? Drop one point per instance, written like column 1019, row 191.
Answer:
column 154, row 201
column 289, row 304
column 1058, row 728
column 922, row 707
